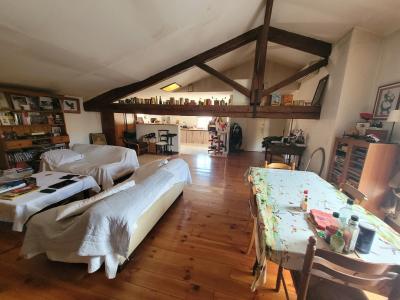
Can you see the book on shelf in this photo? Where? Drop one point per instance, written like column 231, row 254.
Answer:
column 8, row 118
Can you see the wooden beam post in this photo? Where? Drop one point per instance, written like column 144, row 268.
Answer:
column 295, row 77
column 108, row 126
column 237, row 86
column 257, row 85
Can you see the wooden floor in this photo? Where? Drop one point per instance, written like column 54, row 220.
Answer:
column 197, row 250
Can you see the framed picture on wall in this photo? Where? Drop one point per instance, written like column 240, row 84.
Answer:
column 387, row 99
column 319, row 92
column 71, row 105
column 19, row 102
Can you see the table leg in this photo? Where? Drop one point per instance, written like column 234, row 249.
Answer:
column 279, row 279
column 299, row 164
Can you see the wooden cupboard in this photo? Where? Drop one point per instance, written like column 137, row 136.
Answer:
column 194, row 136
column 366, row 166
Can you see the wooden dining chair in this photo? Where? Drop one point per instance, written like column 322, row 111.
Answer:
column 281, row 166
column 353, row 193
column 340, row 277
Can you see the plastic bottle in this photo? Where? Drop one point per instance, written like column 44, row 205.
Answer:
column 351, row 234
column 304, row 202
column 346, row 212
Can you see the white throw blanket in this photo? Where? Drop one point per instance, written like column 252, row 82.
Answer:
column 103, row 162
column 104, row 230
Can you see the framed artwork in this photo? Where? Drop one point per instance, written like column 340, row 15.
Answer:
column 275, row 99
column 287, row 100
column 3, row 101
column 20, row 102
column 46, row 103
column 33, row 103
column 71, row 105
column 319, row 92
column 97, row 139
column 56, row 131
column 387, row 99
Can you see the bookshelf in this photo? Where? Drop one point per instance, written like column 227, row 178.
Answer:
column 366, row 166
column 30, row 124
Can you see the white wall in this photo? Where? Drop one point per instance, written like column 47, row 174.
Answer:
column 362, row 64
column 388, row 72
column 320, row 133
column 254, row 130
column 80, row 125
column 352, row 68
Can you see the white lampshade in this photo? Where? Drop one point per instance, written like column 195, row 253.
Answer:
column 394, row 116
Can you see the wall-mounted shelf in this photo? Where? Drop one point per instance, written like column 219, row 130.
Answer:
column 243, row 111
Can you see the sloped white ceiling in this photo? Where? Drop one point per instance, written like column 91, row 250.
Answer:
column 89, row 46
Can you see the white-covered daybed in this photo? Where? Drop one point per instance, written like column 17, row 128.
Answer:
column 103, row 162
column 107, row 230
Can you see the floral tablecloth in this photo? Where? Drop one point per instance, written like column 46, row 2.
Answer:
column 283, row 229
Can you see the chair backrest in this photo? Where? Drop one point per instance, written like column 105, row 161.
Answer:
column 353, row 193
column 281, row 166
column 382, row 279
column 322, row 150
column 97, row 138
column 129, row 136
column 162, row 135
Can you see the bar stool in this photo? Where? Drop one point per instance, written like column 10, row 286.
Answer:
column 170, row 137
column 162, row 143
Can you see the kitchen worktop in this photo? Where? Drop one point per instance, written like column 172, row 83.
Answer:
column 194, row 129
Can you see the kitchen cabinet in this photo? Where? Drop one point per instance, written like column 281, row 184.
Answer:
column 194, row 136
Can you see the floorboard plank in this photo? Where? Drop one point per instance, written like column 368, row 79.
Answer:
column 196, row 251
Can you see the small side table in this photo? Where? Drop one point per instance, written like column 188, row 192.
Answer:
column 284, row 149
column 19, row 210
column 152, row 148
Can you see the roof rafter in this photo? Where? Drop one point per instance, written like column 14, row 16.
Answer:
column 296, row 76
column 237, row 86
column 275, row 35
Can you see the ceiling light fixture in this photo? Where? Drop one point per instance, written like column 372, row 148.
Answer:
column 171, row 87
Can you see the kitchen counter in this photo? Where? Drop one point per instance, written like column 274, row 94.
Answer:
column 193, row 129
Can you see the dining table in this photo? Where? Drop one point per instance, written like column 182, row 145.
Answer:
column 283, row 228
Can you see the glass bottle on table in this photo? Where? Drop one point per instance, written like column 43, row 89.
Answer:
column 351, row 234
column 337, row 242
column 346, row 211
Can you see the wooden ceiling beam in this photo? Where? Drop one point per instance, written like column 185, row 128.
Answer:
column 275, row 35
column 118, row 93
column 237, row 86
column 299, row 42
column 240, row 111
column 257, row 84
column 296, row 76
